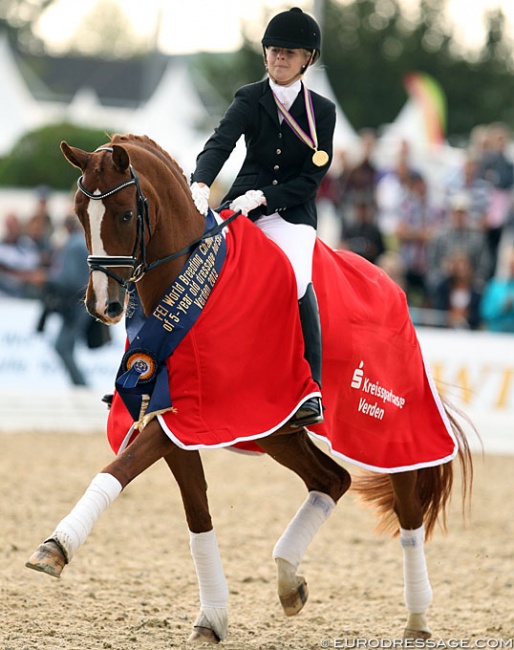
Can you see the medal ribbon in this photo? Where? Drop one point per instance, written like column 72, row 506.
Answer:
column 311, row 141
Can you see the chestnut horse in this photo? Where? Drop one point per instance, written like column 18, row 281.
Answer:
column 142, row 227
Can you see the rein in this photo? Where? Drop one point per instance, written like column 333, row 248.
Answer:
column 138, row 265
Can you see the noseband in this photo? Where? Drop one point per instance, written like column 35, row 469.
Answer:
column 138, row 265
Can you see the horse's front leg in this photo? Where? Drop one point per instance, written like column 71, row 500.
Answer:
column 417, row 589
column 72, row 531
column 211, row 624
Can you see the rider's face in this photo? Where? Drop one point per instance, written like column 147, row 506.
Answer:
column 286, row 65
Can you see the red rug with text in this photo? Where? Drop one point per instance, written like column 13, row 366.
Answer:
column 239, row 373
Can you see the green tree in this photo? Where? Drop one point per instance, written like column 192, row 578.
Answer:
column 370, row 46
column 228, row 72
column 36, row 159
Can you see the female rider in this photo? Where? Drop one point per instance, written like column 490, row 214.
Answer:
column 288, row 134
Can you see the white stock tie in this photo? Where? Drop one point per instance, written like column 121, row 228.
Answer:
column 286, row 94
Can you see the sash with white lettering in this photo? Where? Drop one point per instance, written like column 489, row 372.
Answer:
column 142, row 379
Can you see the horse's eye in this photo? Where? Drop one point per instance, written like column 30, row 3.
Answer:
column 126, row 217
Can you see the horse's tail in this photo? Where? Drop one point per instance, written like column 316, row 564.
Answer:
column 433, row 486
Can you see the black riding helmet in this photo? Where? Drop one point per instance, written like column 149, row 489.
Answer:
column 293, row 29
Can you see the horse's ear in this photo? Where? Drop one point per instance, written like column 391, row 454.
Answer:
column 120, row 158
column 76, row 157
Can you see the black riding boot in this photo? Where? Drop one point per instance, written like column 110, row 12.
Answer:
column 311, row 411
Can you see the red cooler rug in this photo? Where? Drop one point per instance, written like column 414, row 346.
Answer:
column 239, row 373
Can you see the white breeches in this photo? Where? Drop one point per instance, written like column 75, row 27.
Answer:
column 297, row 241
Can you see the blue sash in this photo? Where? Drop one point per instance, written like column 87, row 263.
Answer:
column 142, row 379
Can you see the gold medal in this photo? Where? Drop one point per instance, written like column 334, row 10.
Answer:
column 320, row 158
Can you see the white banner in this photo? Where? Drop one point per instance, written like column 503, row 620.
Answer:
column 35, row 391
column 475, row 370
column 29, row 361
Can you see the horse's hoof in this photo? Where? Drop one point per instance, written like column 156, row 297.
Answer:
column 409, row 633
column 293, row 602
column 203, row 635
column 48, row 558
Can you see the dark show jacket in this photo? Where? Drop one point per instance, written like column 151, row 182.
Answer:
column 277, row 161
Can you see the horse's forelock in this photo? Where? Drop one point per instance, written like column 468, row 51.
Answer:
column 98, row 169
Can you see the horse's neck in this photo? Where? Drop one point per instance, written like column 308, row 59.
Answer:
column 172, row 233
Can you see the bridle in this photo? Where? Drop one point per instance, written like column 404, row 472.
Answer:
column 137, row 261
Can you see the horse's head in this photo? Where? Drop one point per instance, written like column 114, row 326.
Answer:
column 119, row 220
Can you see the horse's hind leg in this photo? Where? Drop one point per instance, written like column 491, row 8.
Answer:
column 326, row 482
column 211, row 624
column 417, row 589
column 72, row 531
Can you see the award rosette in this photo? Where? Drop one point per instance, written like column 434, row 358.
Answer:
column 140, row 367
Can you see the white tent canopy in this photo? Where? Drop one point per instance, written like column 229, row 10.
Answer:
column 172, row 115
column 19, row 112
column 345, row 136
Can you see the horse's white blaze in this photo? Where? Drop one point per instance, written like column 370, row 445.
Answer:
column 96, row 213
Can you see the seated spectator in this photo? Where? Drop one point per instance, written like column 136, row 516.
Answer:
column 20, row 261
column 458, row 294
column 479, row 141
column 479, row 191
column 497, row 306
column 363, row 235
column 457, row 235
column 390, row 190
column 40, row 229
column 361, row 178
column 497, row 167
column 392, row 264
column 418, row 219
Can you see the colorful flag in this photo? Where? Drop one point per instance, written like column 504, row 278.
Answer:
column 428, row 95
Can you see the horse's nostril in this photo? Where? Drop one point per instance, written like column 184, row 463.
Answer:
column 114, row 309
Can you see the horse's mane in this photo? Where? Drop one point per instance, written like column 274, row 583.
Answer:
column 146, row 143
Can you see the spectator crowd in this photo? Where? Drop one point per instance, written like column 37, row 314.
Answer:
column 451, row 249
